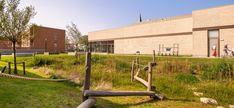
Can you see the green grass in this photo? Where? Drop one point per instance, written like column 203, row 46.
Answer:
column 173, row 77
column 37, row 94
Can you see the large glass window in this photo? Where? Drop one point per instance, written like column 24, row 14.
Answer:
column 102, row 46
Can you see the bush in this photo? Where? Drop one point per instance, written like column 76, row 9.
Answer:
column 123, row 66
column 187, row 78
column 39, row 61
column 192, row 68
column 218, row 71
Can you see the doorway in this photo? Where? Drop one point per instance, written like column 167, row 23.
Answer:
column 213, row 43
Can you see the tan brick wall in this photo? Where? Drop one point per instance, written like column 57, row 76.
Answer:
column 218, row 16
column 130, row 39
column 146, row 28
column 147, row 45
column 213, row 17
column 200, row 43
column 228, row 36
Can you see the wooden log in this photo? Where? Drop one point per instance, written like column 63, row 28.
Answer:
column 24, row 68
column 87, row 74
column 146, row 68
column 150, row 77
column 132, row 72
column 9, row 67
column 138, row 70
column 118, row 93
column 89, row 103
column 141, row 81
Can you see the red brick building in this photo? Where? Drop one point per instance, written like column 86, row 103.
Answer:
column 45, row 40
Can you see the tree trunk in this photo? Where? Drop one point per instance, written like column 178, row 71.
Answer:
column 15, row 64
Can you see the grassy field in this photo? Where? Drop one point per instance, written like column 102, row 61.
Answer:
column 175, row 77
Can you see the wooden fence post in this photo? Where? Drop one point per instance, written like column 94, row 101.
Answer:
column 132, row 72
column 137, row 62
column 150, row 77
column 9, row 67
column 87, row 74
column 24, row 67
column 153, row 56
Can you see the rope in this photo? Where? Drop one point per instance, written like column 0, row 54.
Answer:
column 27, row 78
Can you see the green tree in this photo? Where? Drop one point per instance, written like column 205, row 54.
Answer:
column 32, row 32
column 84, row 42
column 14, row 22
column 74, row 34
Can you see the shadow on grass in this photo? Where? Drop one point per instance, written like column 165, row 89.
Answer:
column 27, row 73
column 105, row 103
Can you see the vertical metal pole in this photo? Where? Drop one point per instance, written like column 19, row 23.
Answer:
column 132, row 72
column 150, row 77
column 87, row 74
column 24, row 68
column 9, row 67
column 153, row 56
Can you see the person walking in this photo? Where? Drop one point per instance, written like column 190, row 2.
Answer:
column 232, row 52
column 225, row 49
column 214, row 51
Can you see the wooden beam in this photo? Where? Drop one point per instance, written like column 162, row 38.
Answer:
column 9, row 67
column 132, row 72
column 118, row 93
column 141, row 81
column 89, row 103
column 150, row 78
column 24, row 68
column 138, row 62
column 87, row 74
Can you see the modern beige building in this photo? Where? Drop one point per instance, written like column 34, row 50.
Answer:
column 194, row 34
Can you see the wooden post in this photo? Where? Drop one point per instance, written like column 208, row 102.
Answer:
column 145, row 83
column 9, row 67
column 24, row 67
column 132, row 72
column 153, row 56
column 3, row 69
column 87, row 74
column 150, row 77
column 159, row 49
column 137, row 62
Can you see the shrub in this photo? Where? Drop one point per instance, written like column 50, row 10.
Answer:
column 187, row 78
column 218, row 71
column 122, row 66
column 39, row 61
column 192, row 68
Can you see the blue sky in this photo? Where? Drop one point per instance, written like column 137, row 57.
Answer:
column 92, row 15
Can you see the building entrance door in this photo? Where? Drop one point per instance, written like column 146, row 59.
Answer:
column 213, row 43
